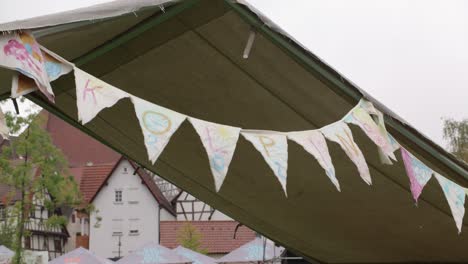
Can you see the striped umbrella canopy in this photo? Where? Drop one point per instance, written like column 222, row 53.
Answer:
column 195, row 257
column 258, row 249
column 80, row 256
column 153, row 253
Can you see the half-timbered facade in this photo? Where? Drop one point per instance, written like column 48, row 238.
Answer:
column 40, row 236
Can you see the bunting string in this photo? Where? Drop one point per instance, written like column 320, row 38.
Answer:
column 36, row 67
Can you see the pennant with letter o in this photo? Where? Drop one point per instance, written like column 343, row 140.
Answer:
column 158, row 124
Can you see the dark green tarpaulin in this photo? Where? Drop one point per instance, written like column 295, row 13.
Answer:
column 190, row 59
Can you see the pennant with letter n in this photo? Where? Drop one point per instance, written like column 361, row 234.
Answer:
column 158, row 124
column 93, row 95
column 274, row 148
column 340, row 133
column 220, row 142
column 314, row 143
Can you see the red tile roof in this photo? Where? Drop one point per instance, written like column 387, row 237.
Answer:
column 78, row 147
column 217, row 236
column 92, row 178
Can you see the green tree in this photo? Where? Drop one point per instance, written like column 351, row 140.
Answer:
column 36, row 172
column 456, row 134
column 189, row 237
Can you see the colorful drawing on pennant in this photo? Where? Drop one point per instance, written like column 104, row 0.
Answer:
column 55, row 67
column 418, row 173
column 274, row 149
column 360, row 117
column 23, row 54
column 93, row 95
column 315, row 144
column 340, row 133
column 455, row 195
column 157, row 124
column 220, row 143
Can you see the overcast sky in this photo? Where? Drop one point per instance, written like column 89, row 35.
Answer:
column 410, row 55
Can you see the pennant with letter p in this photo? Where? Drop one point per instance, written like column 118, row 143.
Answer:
column 340, row 133
column 455, row 195
column 314, row 143
column 418, row 173
column 158, row 124
column 220, row 142
column 93, row 95
column 19, row 51
column 274, row 148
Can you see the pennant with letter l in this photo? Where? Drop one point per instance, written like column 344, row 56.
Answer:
column 19, row 51
column 55, row 67
column 93, row 95
column 361, row 117
column 158, row 124
column 418, row 173
column 274, row 148
column 340, row 133
column 314, row 143
column 220, row 142
column 455, row 195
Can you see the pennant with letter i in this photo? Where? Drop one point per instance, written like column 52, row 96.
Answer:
column 340, row 133
column 19, row 51
column 274, row 148
column 455, row 195
column 360, row 117
column 314, row 143
column 220, row 142
column 418, row 173
column 158, row 124
column 93, row 95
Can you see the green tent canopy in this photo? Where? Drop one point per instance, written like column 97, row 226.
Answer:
column 188, row 57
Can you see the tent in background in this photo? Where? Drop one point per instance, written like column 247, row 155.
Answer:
column 153, row 253
column 80, row 256
column 257, row 250
column 195, row 257
column 5, row 255
column 189, row 58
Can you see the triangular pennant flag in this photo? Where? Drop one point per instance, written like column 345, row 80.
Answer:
column 379, row 119
column 158, row 124
column 55, row 67
column 418, row 173
column 19, row 51
column 360, row 117
column 314, row 143
column 93, row 95
column 340, row 133
column 455, row 195
column 274, row 148
column 220, row 142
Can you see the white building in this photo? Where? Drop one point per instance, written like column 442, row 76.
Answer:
column 128, row 207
